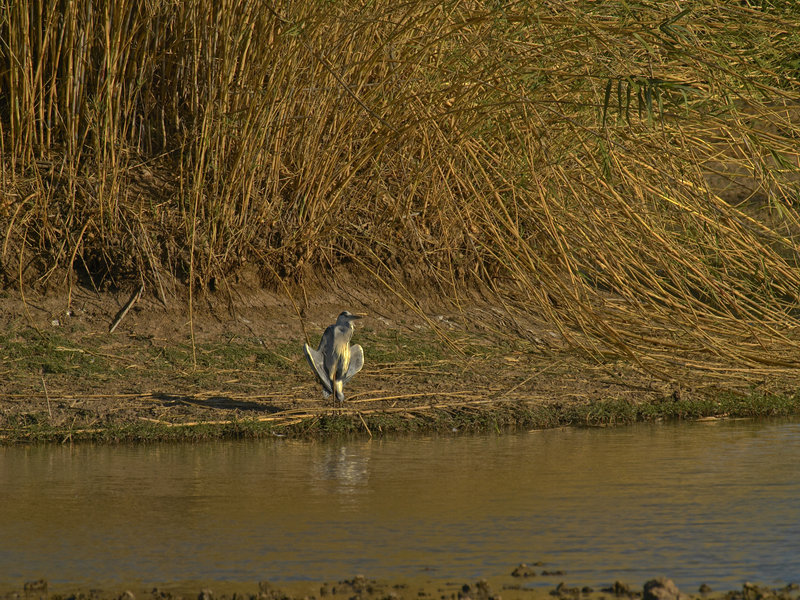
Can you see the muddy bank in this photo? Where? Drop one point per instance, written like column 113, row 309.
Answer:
column 238, row 371
column 362, row 588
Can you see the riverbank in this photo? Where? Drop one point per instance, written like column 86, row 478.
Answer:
column 237, row 370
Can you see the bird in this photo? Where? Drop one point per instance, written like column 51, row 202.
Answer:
column 335, row 361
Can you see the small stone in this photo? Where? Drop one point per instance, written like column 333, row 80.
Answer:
column 205, row 594
column 523, row 570
column 619, row 589
column 40, row 585
column 563, row 590
column 661, row 588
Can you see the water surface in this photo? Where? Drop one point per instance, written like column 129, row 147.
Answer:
column 715, row 503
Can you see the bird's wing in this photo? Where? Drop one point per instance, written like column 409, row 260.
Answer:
column 356, row 362
column 326, row 341
column 317, row 364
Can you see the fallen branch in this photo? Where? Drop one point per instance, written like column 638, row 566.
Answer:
column 121, row 314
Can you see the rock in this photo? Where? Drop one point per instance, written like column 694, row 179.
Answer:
column 619, row 589
column 40, row 585
column 480, row 591
column 358, row 585
column 563, row 591
column 661, row 588
column 751, row 591
column 483, row 591
column 523, row 570
column 267, row 592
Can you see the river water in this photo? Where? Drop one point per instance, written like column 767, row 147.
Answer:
column 715, row 503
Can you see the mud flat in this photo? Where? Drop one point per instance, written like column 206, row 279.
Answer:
column 516, row 587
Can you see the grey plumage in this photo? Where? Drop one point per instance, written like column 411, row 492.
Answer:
column 335, row 361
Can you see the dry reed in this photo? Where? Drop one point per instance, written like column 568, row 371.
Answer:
column 627, row 170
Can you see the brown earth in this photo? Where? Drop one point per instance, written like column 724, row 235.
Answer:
column 239, row 356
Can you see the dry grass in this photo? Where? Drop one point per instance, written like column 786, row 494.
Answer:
column 628, row 170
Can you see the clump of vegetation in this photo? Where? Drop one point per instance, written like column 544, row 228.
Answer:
column 627, row 170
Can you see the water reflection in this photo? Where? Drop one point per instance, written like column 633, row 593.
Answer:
column 715, row 503
column 342, row 470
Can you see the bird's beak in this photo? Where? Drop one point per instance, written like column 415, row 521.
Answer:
column 359, row 315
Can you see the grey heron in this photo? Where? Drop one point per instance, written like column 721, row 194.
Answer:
column 335, row 361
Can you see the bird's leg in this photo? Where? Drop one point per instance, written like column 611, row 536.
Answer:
column 333, row 386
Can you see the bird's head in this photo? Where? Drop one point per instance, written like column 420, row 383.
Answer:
column 347, row 318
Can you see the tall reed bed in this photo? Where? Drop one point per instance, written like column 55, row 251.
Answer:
column 629, row 170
